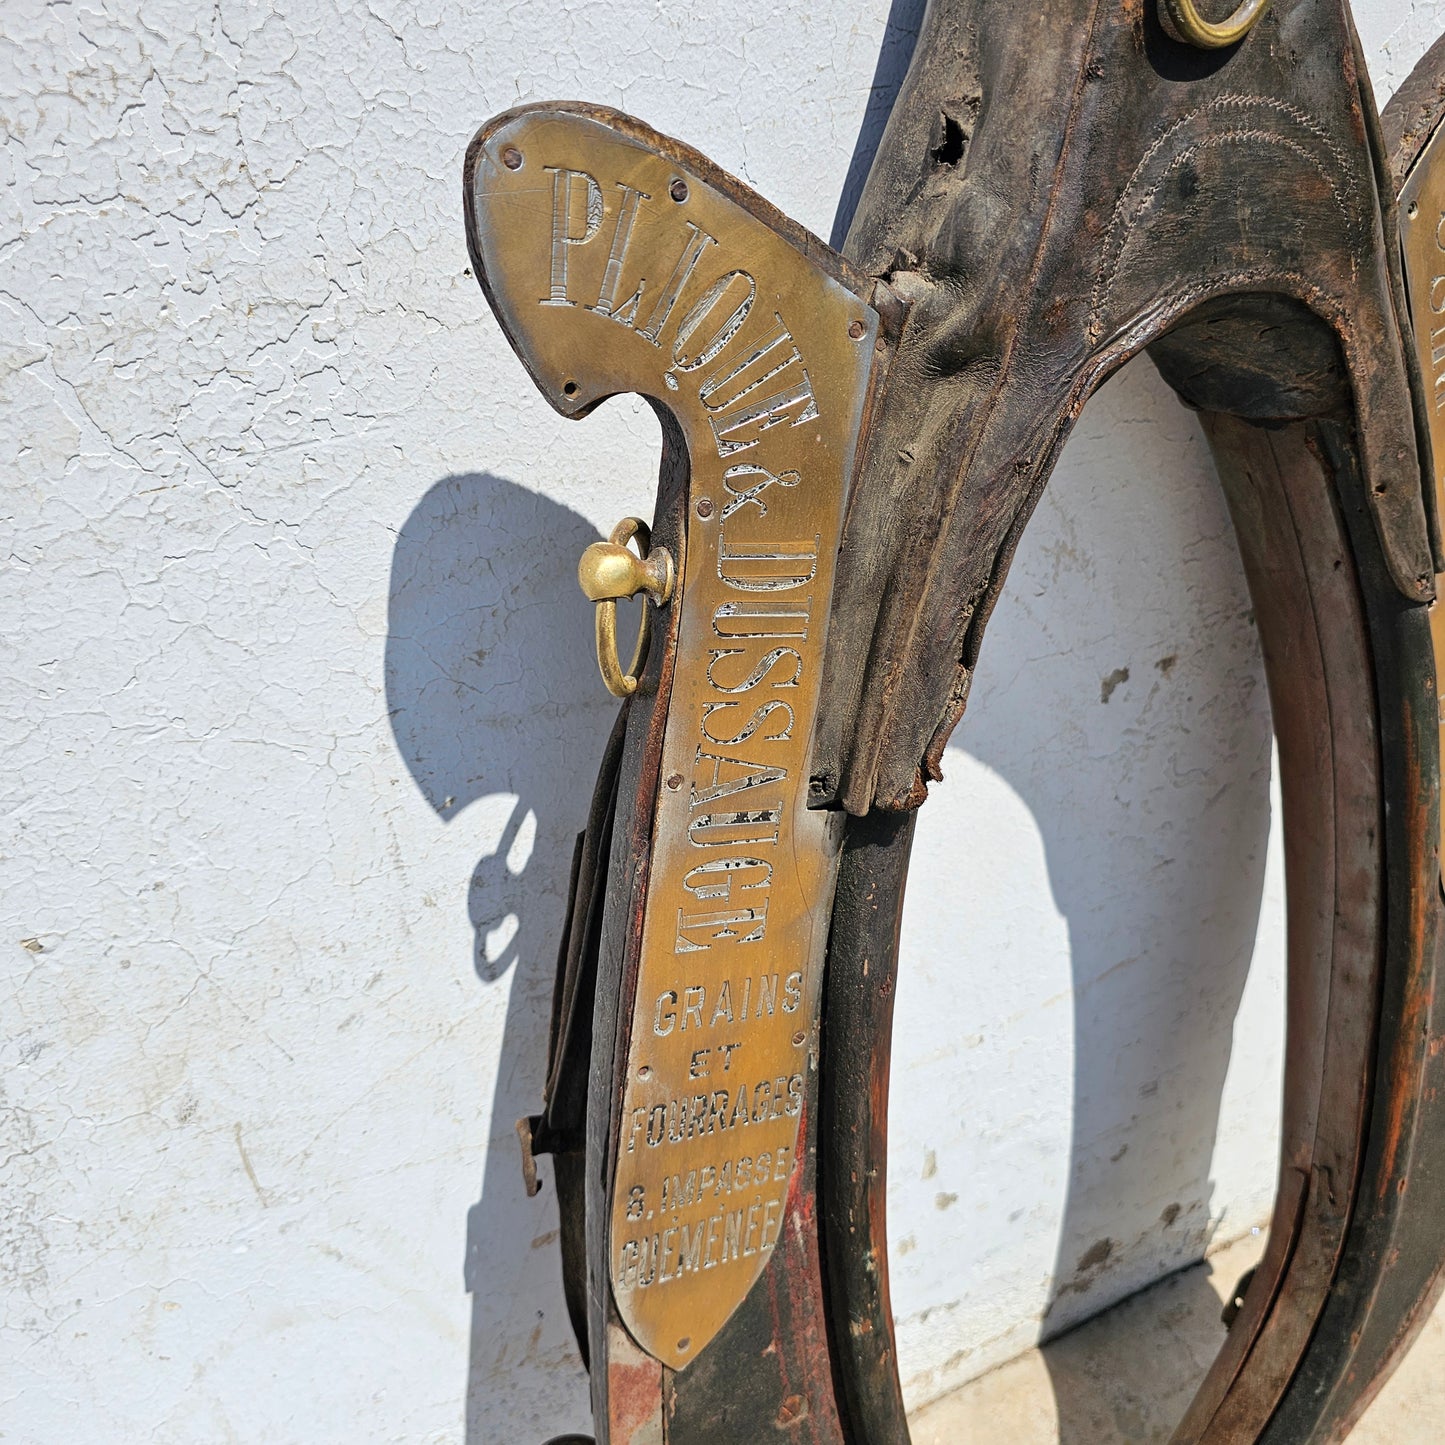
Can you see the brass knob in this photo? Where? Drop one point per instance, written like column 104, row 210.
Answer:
column 1184, row 22
column 607, row 572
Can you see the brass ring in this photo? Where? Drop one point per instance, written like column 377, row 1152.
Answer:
column 619, row 683
column 607, row 573
column 1184, row 22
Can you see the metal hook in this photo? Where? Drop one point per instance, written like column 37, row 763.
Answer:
column 608, row 572
column 1184, row 22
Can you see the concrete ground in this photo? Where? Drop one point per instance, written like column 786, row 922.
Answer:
column 1125, row 1377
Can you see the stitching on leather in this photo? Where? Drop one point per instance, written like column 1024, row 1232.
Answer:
column 1115, row 240
column 1106, row 282
column 1307, row 290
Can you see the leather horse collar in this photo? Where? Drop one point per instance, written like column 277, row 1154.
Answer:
column 852, row 446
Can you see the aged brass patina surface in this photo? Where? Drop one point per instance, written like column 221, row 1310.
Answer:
column 614, row 271
column 1422, row 240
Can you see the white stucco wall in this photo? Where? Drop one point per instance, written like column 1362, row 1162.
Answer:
column 300, row 717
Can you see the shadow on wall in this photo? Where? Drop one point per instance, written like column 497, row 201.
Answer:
column 900, row 35
column 490, row 679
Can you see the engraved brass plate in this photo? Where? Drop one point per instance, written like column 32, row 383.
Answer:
column 1422, row 238
column 619, row 261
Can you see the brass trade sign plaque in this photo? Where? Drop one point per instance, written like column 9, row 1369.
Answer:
column 620, row 261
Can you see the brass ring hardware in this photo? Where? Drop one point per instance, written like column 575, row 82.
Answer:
column 1184, row 22
column 608, row 572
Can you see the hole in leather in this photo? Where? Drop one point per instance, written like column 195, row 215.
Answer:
column 949, row 150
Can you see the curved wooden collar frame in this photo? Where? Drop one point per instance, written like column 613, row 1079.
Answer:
column 851, row 448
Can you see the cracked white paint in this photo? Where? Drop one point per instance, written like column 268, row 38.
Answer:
column 299, row 718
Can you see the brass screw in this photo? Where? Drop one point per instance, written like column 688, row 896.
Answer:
column 674, row 781
column 512, row 158
column 704, row 506
column 799, row 1037
column 856, row 330
column 678, row 189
